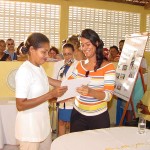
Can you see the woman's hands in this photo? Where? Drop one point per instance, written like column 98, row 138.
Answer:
column 83, row 90
column 54, row 82
column 58, row 91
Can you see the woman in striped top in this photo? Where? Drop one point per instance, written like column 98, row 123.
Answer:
column 90, row 108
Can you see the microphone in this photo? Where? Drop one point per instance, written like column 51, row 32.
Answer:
column 67, row 63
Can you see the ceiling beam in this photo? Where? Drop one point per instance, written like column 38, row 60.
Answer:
column 132, row 2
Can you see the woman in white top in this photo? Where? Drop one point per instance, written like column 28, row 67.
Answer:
column 62, row 70
column 32, row 92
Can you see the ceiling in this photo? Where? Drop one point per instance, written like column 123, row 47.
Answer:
column 145, row 3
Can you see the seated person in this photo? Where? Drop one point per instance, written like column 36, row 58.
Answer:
column 59, row 57
column 113, row 54
column 53, row 52
column 144, row 110
column 10, row 50
column 3, row 56
column 137, row 95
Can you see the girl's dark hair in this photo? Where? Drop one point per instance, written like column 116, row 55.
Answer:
column 97, row 42
column 35, row 40
column 68, row 45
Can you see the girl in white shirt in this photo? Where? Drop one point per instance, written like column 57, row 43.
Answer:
column 32, row 92
column 62, row 70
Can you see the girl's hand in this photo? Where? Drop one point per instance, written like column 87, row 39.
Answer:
column 59, row 91
column 83, row 90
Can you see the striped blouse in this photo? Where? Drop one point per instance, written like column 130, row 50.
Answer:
column 103, row 80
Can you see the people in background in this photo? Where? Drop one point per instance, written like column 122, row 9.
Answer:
column 113, row 54
column 10, row 44
column 90, row 107
column 143, row 107
column 78, row 54
column 137, row 94
column 32, row 93
column 62, row 70
column 3, row 56
column 19, row 47
column 59, row 57
column 105, row 52
column 121, row 43
column 2, row 48
column 53, row 52
column 20, row 55
column 140, row 87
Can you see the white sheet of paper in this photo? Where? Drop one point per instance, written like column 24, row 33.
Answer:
column 72, row 84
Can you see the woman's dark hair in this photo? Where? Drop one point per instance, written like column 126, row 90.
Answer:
column 67, row 45
column 36, row 40
column 20, row 48
column 97, row 42
column 121, row 41
column 115, row 47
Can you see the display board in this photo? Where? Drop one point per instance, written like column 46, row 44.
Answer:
column 128, row 65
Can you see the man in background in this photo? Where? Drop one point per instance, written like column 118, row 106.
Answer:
column 121, row 43
column 10, row 44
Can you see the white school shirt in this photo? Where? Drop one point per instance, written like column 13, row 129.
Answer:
column 56, row 75
column 32, row 125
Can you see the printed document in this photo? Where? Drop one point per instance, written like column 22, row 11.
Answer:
column 72, row 84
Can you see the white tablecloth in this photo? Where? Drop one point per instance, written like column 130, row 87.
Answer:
column 117, row 138
column 8, row 113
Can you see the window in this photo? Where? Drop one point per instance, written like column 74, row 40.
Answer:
column 112, row 26
column 148, row 30
column 19, row 19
